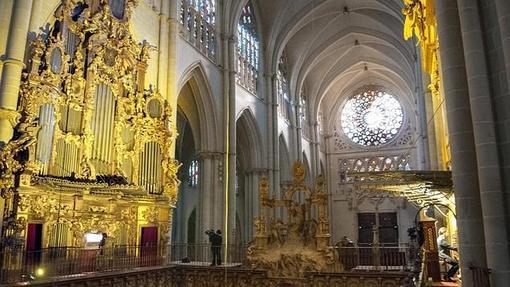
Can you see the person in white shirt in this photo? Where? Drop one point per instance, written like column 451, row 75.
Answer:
column 444, row 253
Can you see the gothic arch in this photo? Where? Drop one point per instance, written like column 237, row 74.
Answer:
column 198, row 106
column 249, row 136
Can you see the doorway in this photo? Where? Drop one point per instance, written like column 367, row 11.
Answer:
column 149, row 246
column 34, row 244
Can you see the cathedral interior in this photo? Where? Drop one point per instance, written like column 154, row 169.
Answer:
column 255, row 143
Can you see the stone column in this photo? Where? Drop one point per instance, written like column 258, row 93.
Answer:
column 12, row 67
column 171, row 67
column 231, row 170
column 503, row 10
column 423, row 148
column 205, row 199
column 491, row 192
column 163, row 47
column 276, row 140
column 295, row 125
column 270, row 126
column 464, row 166
column 315, row 143
column 5, row 23
column 217, row 190
column 431, row 132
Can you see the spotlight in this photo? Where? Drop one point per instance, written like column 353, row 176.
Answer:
column 39, row 272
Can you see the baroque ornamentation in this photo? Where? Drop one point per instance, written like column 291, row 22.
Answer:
column 300, row 243
column 77, row 165
column 420, row 21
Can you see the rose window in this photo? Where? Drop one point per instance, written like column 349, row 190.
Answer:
column 372, row 118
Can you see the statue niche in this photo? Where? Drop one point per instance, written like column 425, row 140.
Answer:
column 299, row 241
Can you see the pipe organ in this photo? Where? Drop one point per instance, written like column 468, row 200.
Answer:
column 96, row 155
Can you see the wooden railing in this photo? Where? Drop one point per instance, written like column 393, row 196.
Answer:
column 369, row 258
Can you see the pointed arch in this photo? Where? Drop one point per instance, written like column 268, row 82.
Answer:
column 249, row 139
column 198, row 106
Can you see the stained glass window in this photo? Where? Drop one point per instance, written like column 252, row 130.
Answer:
column 206, row 9
column 199, row 18
column 303, row 114
column 282, row 90
column 372, row 118
column 193, row 173
column 247, row 49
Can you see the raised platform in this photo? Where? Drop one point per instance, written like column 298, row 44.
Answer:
column 205, row 264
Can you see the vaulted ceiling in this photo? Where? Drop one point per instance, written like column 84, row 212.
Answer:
column 333, row 47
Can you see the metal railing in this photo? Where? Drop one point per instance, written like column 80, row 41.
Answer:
column 19, row 264
column 367, row 258
column 201, row 254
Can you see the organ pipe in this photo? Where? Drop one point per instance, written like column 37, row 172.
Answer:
column 150, row 167
column 102, row 127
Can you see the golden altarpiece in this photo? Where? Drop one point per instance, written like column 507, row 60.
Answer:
column 294, row 241
column 91, row 152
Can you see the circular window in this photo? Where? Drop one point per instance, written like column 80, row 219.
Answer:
column 372, row 118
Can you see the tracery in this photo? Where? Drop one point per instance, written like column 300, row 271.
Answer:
column 248, row 53
column 372, row 118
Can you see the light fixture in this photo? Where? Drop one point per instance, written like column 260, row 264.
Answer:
column 39, row 272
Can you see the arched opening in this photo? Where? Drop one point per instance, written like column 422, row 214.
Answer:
column 183, row 228
column 247, row 161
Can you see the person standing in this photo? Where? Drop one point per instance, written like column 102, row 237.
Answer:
column 216, row 242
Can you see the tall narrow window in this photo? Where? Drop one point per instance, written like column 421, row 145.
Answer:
column 198, row 18
column 282, row 90
column 193, row 173
column 247, row 50
column 303, row 114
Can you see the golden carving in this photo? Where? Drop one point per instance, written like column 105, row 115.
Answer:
column 421, row 22
column 58, row 92
column 300, row 243
column 10, row 115
column 298, row 170
column 150, row 214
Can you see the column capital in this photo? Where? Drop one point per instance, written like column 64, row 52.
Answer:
column 14, row 62
column 210, row 155
column 257, row 171
column 11, row 115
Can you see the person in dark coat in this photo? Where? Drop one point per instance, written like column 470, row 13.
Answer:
column 216, row 240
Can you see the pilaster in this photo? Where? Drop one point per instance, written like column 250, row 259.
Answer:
column 13, row 64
